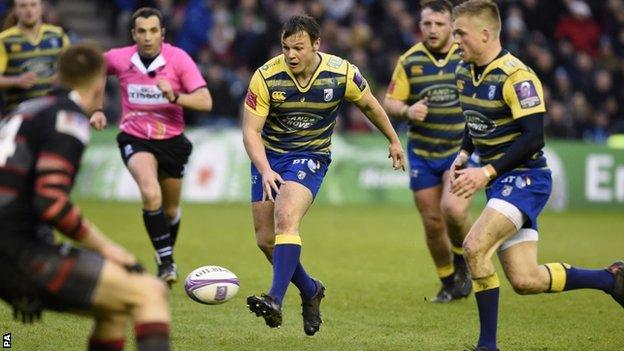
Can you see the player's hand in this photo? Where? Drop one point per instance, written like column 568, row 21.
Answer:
column 468, row 181
column 459, row 163
column 418, row 110
column 98, row 120
column 118, row 254
column 26, row 80
column 397, row 155
column 167, row 89
column 27, row 309
column 271, row 182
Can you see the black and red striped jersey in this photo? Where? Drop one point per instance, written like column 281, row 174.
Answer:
column 41, row 145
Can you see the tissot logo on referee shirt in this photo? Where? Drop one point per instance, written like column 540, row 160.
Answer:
column 145, row 94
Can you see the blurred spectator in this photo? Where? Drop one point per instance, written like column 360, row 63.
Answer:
column 580, row 28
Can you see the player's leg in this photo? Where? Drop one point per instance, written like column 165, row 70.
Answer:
column 171, row 192
column 490, row 230
column 428, row 204
column 264, row 227
column 109, row 332
column 456, row 212
column 141, row 297
column 143, row 167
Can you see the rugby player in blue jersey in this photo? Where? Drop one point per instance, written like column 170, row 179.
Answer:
column 423, row 92
column 290, row 113
column 503, row 102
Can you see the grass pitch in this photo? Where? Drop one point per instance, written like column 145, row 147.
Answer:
column 377, row 270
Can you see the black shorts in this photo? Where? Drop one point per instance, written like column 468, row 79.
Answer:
column 171, row 154
column 61, row 277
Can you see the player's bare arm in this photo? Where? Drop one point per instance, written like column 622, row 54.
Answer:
column 371, row 108
column 199, row 100
column 399, row 109
column 252, row 138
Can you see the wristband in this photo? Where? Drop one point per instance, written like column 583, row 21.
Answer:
column 488, row 173
column 98, row 110
column 175, row 98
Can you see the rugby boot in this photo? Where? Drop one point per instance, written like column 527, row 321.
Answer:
column 167, row 271
column 311, row 311
column 445, row 295
column 617, row 269
column 463, row 282
column 266, row 307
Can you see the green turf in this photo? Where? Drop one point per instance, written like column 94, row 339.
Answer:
column 377, row 272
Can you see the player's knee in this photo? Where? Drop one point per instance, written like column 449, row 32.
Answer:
column 171, row 212
column 284, row 222
column 434, row 225
column 151, row 195
column 153, row 291
column 523, row 284
column 454, row 214
column 265, row 244
column 473, row 251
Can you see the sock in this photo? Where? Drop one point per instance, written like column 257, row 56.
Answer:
column 564, row 277
column 285, row 260
column 486, row 292
column 106, row 345
column 446, row 275
column 158, row 230
column 152, row 336
column 458, row 256
column 174, row 227
column 303, row 282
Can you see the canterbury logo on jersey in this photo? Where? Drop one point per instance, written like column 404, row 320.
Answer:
column 145, row 94
column 278, row 96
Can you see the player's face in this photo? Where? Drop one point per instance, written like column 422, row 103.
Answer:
column 470, row 40
column 436, row 29
column 300, row 52
column 148, row 34
column 28, row 12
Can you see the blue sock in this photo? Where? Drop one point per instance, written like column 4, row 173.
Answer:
column 447, row 275
column 285, row 260
column 486, row 293
column 564, row 277
column 303, row 282
column 458, row 259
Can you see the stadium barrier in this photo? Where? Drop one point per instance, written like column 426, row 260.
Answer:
column 585, row 176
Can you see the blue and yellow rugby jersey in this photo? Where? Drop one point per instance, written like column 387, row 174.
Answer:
column 419, row 74
column 19, row 55
column 507, row 90
column 302, row 119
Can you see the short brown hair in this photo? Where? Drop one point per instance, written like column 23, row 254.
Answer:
column 484, row 9
column 147, row 12
column 302, row 23
column 79, row 65
column 437, row 5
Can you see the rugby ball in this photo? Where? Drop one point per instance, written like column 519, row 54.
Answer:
column 211, row 285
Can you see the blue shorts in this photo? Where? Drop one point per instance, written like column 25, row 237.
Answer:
column 306, row 169
column 426, row 172
column 528, row 190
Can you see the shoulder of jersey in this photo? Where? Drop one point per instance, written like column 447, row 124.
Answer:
column 12, row 31
column 52, row 28
column 333, row 63
column 511, row 64
column 417, row 48
column 272, row 66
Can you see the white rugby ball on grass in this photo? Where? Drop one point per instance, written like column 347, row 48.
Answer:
column 211, row 285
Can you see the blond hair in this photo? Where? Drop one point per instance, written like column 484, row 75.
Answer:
column 485, row 10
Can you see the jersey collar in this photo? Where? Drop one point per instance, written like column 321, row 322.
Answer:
column 159, row 61
column 437, row 63
column 490, row 67
column 314, row 75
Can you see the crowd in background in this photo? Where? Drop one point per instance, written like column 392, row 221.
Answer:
column 574, row 46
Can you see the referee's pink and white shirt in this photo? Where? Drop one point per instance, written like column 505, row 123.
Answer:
column 146, row 113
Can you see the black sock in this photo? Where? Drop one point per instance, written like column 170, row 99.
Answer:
column 158, row 230
column 152, row 336
column 174, row 226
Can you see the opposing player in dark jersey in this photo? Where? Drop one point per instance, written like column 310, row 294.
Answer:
column 503, row 102
column 290, row 114
column 28, row 55
column 41, row 144
column 423, row 92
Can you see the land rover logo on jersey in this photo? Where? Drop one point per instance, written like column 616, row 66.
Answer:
column 43, row 67
column 440, row 95
column 145, row 94
column 328, row 94
column 299, row 120
column 478, row 124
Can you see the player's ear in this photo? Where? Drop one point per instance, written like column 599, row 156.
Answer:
column 317, row 44
column 162, row 32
